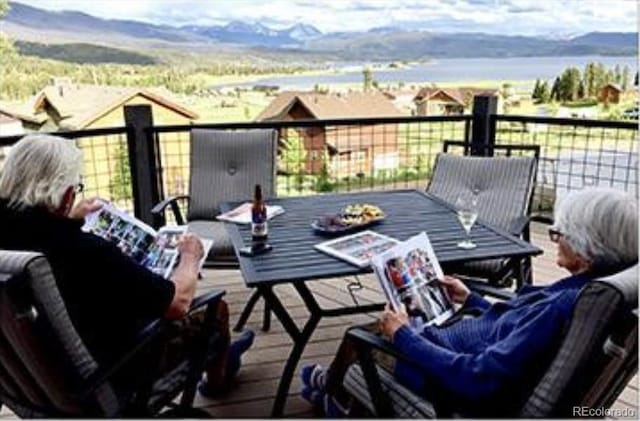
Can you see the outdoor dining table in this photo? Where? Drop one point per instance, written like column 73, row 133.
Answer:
column 295, row 261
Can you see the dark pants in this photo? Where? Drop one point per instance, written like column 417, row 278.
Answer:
column 186, row 336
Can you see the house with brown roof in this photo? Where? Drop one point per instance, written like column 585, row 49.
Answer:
column 64, row 105
column 346, row 150
column 433, row 100
column 610, row 93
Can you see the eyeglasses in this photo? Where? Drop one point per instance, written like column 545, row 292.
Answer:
column 79, row 188
column 554, row 235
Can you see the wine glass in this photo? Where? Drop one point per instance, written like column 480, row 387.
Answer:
column 467, row 214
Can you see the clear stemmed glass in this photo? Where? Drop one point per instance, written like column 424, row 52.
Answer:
column 467, row 214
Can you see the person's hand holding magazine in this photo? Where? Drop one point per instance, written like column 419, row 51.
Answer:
column 457, row 290
column 84, row 207
column 391, row 320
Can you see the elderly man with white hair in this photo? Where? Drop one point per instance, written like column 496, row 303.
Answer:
column 109, row 297
column 490, row 363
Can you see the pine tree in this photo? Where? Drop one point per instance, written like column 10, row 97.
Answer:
column 625, row 78
column 545, row 95
column 535, row 95
column 367, row 77
column 581, row 90
column 617, row 74
column 589, row 79
column 120, row 185
column 555, row 90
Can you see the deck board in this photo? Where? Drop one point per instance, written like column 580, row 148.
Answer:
column 256, row 384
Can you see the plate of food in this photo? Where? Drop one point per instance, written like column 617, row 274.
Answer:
column 351, row 218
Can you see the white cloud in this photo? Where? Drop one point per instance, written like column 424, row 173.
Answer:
column 527, row 17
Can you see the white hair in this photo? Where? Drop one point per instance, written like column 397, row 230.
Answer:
column 601, row 225
column 39, row 169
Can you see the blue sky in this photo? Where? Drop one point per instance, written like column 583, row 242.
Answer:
column 526, row 17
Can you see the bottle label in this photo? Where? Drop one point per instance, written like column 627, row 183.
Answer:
column 259, row 224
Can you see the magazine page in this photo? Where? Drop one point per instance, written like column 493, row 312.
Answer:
column 359, row 248
column 162, row 255
column 155, row 250
column 131, row 236
column 242, row 214
column 409, row 274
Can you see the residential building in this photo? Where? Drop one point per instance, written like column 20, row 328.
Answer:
column 610, row 93
column 64, row 105
column 346, row 150
column 434, row 100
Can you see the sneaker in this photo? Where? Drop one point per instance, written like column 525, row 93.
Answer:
column 314, row 376
column 236, row 349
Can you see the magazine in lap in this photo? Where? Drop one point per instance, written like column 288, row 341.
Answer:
column 409, row 274
column 155, row 250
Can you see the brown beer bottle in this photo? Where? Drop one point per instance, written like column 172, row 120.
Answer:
column 259, row 228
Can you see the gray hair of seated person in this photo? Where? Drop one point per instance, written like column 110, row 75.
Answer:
column 39, row 169
column 601, row 225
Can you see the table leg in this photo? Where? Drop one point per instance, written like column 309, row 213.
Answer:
column 300, row 339
column 246, row 312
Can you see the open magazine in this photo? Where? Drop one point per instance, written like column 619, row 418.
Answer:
column 242, row 214
column 359, row 248
column 155, row 250
column 409, row 273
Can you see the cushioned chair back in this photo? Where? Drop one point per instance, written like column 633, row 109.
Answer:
column 599, row 353
column 504, row 185
column 43, row 361
column 225, row 166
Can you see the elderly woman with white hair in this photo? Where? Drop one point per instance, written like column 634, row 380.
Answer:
column 489, row 363
column 109, row 297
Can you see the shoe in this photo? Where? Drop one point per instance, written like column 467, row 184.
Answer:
column 314, row 376
column 236, row 349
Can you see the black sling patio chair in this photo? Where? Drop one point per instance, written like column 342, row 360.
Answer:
column 47, row 371
column 503, row 179
column 596, row 359
column 225, row 167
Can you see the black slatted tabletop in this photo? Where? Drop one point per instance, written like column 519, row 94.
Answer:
column 409, row 212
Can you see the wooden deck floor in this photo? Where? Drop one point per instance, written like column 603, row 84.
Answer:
column 262, row 366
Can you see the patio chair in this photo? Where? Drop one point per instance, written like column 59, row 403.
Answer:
column 596, row 359
column 47, row 371
column 225, row 167
column 504, row 186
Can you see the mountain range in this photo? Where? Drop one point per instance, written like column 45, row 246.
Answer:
column 38, row 26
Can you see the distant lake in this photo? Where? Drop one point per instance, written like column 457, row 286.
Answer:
column 452, row 70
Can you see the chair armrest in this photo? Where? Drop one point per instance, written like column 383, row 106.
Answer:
column 519, row 225
column 366, row 339
column 483, row 288
column 171, row 201
column 206, row 299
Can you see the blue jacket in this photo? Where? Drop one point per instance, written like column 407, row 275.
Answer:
column 490, row 363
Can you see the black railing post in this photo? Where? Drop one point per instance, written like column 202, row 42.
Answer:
column 483, row 130
column 146, row 185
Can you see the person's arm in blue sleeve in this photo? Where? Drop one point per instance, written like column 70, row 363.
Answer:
column 476, row 301
column 480, row 375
